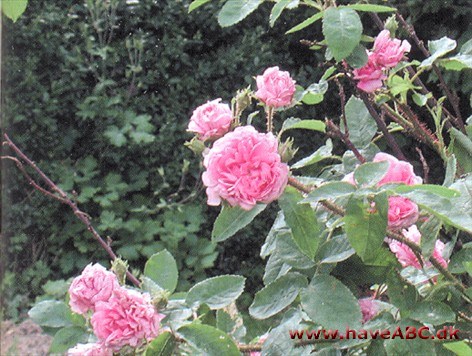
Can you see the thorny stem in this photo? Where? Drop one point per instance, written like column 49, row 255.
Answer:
column 381, row 124
column 345, row 138
column 63, row 198
column 390, row 234
column 270, row 115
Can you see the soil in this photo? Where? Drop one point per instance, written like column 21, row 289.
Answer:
column 23, row 339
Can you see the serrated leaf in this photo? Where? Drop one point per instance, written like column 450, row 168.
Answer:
column 290, row 253
column 430, row 188
column 196, row 4
column 460, row 348
column 330, row 303
column 162, row 269
column 371, row 8
column 209, row 340
column 324, row 152
column 163, row 345
column 330, row 190
column 234, row 11
column 361, row 125
column 277, row 11
column 432, row 312
column 342, row 28
column 302, row 221
column 438, row 48
column 277, row 296
column 294, row 123
column 335, row 250
column 232, row 219
column 370, row 173
column 306, row 23
column 13, row 9
column 451, row 169
column 366, row 226
column 67, row 338
column 275, row 268
column 216, row 292
column 51, row 313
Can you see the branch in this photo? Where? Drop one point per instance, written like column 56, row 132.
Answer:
column 63, row 198
column 345, row 138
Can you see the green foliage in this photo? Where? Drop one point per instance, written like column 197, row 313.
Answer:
column 232, row 219
column 162, row 269
column 13, row 9
column 209, row 340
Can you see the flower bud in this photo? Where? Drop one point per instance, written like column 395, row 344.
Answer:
column 196, row 145
column 160, row 299
column 120, row 267
column 243, row 100
column 391, row 24
column 286, row 150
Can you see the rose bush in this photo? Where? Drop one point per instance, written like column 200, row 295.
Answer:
column 352, row 252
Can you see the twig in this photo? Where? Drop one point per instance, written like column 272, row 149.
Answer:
column 450, row 95
column 345, row 138
column 342, row 97
column 381, row 124
column 425, row 165
column 63, row 198
column 270, row 115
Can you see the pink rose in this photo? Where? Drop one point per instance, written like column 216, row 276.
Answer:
column 275, row 87
column 127, row 318
column 438, row 253
column 398, row 171
column 404, row 254
column 95, row 284
column 389, row 52
column 349, row 178
column 369, row 309
column 211, row 120
column 89, row 350
column 402, row 212
column 370, row 76
column 244, row 168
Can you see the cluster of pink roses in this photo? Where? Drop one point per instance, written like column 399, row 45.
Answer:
column 387, row 53
column 121, row 316
column 402, row 212
column 243, row 167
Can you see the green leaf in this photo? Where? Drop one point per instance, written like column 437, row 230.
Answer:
column 459, row 62
column 401, row 346
column 342, row 29
column 302, row 221
column 209, row 340
column 451, row 169
column 294, row 123
column 330, row 190
column 216, row 292
column 370, row 173
column 366, row 226
column 324, row 152
column 433, row 312
column 306, row 23
column 277, row 295
column 290, row 253
column 162, row 269
column 457, row 260
column 277, row 11
column 429, row 234
column 233, row 219
column 67, row 338
column 196, row 4
column 401, row 294
column 163, row 345
column 460, row 348
column 275, row 268
column 420, row 99
column 430, row 188
column 461, row 146
column 335, row 250
column 51, row 313
column 358, row 58
column 115, row 135
column 331, row 304
column 361, row 125
column 234, row 11
column 371, row 8
column 438, row 49
column 13, row 9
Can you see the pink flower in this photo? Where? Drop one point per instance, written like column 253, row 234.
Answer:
column 398, row 171
column 275, row 87
column 127, row 318
column 260, row 341
column 389, row 52
column 211, row 120
column 89, row 350
column 95, row 284
column 370, row 76
column 404, row 254
column 402, row 212
column 349, row 178
column 244, row 168
column 438, row 253
column 369, row 309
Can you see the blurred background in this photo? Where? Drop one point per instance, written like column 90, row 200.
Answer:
column 99, row 94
